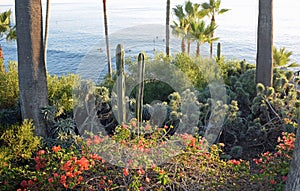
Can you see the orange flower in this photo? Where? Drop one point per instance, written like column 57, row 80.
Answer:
column 56, row 148
column 83, row 163
column 162, row 171
column 192, row 143
column 148, row 179
column 125, row 172
column 69, row 174
column 234, row 162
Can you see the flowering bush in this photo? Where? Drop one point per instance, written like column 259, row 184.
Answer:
column 272, row 168
column 91, row 164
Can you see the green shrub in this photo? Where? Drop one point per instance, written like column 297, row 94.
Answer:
column 16, row 151
column 21, row 141
column 9, row 87
column 60, row 91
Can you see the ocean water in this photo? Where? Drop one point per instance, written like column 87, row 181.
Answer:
column 76, row 31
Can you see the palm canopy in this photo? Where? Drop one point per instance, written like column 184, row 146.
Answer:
column 281, row 58
column 5, row 26
column 213, row 7
column 201, row 33
column 187, row 13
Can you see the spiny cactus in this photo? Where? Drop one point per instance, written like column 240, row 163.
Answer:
column 219, row 51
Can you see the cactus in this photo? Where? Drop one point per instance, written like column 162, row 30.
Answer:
column 140, row 89
column 121, row 84
column 219, row 51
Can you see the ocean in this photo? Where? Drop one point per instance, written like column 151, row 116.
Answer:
column 76, row 31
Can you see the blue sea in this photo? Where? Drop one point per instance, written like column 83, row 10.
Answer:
column 76, row 31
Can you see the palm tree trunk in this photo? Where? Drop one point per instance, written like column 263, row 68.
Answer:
column 264, row 59
column 189, row 47
column 168, row 28
column 2, row 67
column 107, row 40
column 182, row 45
column 198, row 49
column 212, row 36
column 31, row 66
column 46, row 30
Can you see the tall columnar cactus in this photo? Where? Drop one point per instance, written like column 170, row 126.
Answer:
column 121, row 84
column 140, row 89
column 219, row 51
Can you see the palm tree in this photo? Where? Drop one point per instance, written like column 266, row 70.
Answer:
column 168, row 12
column 201, row 33
column 180, row 27
column 212, row 9
column 281, row 58
column 46, row 30
column 31, row 66
column 264, row 58
column 192, row 14
column 4, row 23
column 7, row 31
column 107, row 40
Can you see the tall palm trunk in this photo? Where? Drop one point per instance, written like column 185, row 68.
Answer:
column 264, row 59
column 46, row 30
column 182, row 45
column 168, row 12
column 213, row 22
column 31, row 66
column 2, row 67
column 107, row 40
column 189, row 46
column 198, row 49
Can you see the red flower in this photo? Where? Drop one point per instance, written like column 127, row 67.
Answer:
column 141, row 172
column 162, row 171
column 24, row 183
column 83, row 163
column 55, row 174
column 234, row 162
column 125, row 172
column 50, row 180
column 69, row 174
column 41, row 152
column 192, row 143
column 63, row 179
column 272, row 181
column 97, row 139
column 284, row 178
column 56, row 148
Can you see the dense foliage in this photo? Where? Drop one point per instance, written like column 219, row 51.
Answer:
column 254, row 118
